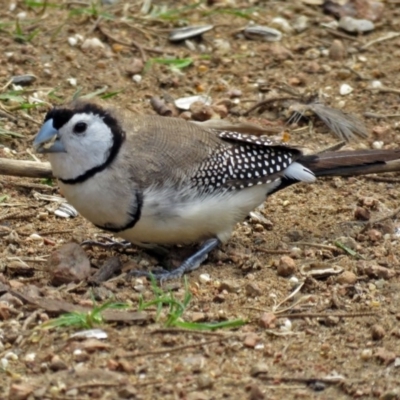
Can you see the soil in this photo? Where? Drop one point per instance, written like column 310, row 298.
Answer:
column 337, row 337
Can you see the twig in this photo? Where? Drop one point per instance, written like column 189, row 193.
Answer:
column 173, row 350
column 266, row 251
column 369, row 224
column 383, row 179
column 321, row 315
column 128, row 44
column 390, row 35
column 382, row 116
column 318, row 245
column 384, row 89
column 267, row 101
column 29, row 169
column 189, row 331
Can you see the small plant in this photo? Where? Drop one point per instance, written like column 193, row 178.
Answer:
column 177, row 308
column 82, row 320
column 173, row 63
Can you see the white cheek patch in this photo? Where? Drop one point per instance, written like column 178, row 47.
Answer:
column 84, row 151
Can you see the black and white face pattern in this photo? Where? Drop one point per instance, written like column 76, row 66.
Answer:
column 91, row 138
column 251, row 160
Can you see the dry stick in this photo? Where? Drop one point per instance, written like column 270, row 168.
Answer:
column 385, row 90
column 321, row 315
column 29, row 169
column 387, row 179
column 266, row 251
column 189, row 331
column 369, row 224
column 130, row 44
column 390, row 35
column 318, row 245
column 382, row 116
column 267, row 101
column 173, row 350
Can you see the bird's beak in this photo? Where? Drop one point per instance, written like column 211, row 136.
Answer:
column 48, row 139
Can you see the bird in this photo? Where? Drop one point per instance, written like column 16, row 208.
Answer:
column 158, row 181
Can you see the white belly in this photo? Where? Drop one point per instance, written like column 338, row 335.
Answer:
column 167, row 222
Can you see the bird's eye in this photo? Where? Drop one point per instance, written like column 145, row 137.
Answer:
column 80, row 127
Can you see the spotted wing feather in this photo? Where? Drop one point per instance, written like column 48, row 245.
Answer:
column 243, row 161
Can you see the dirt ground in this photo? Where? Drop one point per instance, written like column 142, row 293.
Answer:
column 337, row 337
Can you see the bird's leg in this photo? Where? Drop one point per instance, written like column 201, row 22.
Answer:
column 190, row 264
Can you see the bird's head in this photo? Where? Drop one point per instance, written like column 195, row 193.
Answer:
column 80, row 137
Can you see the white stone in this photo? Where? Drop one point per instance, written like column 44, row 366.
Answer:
column 93, row 43
column 377, row 145
column 204, row 278
column 137, row 78
column 345, row 89
column 73, row 41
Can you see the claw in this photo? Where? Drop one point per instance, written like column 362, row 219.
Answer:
column 190, row 264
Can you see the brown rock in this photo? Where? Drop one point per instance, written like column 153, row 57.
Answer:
column 20, row 391
column 253, row 290
column 385, row 356
column 56, row 364
column 251, row 340
column 337, row 51
column 256, row 393
column 68, row 264
column 377, row 332
column 362, row 214
column 374, row 235
column 259, row 368
column 286, row 266
column 204, row 381
column 347, row 278
column 379, row 272
column 201, row 112
column 267, row 320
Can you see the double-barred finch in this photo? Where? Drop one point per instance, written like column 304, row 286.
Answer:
column 162, row 181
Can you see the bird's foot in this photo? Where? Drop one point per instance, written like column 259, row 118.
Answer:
column 190, row 264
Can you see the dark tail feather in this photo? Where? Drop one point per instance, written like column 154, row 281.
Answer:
column 350, row 163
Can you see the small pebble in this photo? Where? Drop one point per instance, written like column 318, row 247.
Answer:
column 347, row 278
column 204, row 381
column 204, row 278
column 258, row 369
column 23, row 80
column 56, row 364
column 362, row 214
column 345, row 89
column 377, row 332
column 251, row 340
column 337, row 51
column 229, row 286
column 374, row 235
column 92, row 43
column 267, row 320
column 366, row 354
column 286, row 266
column 253, row 290
column 354, row 25
column 301, row 24
column 377, row 144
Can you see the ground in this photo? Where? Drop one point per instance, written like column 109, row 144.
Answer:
column 337, row 337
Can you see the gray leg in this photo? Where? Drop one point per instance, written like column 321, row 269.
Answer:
column 190, row 264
